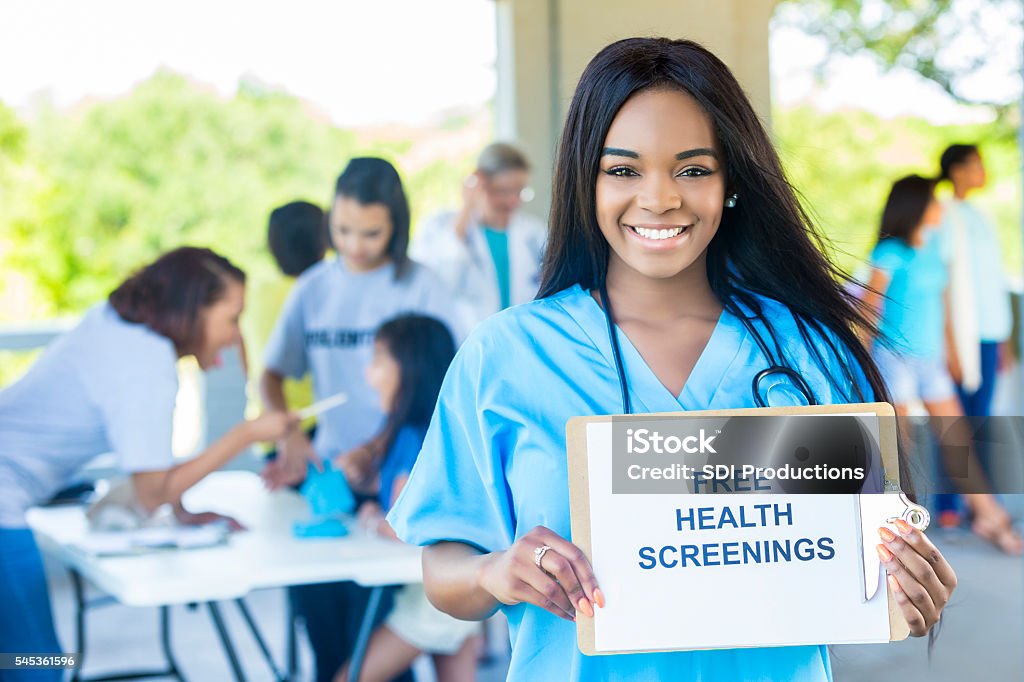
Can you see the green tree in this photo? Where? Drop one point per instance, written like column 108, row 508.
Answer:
column 844, row 172
column 945, row 41
column 169, row 164
column 103, row 189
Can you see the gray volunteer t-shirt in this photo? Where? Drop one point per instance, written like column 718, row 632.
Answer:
column 326, row 328
column 105, row 386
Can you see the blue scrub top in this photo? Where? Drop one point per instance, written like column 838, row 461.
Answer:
column 913, row 310
column 493, row 463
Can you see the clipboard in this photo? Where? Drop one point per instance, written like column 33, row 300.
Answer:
column 874, row 510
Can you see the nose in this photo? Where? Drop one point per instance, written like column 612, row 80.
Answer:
column 349, row 246
column 659, row 194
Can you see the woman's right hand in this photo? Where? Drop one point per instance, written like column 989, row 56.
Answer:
column 562, row 584
column 272, row 426
column 472, row 200
column 294, row 453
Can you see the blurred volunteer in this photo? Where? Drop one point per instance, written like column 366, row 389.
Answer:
column 109, row 385
column 489, row 252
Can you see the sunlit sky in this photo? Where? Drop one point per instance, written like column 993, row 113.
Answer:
column 403, row 61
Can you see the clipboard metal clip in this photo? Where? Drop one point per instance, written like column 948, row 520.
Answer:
column 877, row 510
column 915, row 515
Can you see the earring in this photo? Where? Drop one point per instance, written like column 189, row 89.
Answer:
column 731, row 200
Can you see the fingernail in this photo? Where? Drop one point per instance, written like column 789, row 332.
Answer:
column 599, row 598
column 893, row 583
column 886, row 534
column 903, row 527
column 585, row 606
column 883, row 553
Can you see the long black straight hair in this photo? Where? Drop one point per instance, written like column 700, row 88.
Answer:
column 767, row 245
column 422, row 347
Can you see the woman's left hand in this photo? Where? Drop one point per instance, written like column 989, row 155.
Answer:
column 920, row 577
column 187, row 518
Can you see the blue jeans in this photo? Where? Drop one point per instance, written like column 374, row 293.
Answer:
column 977, row 407
column 26, row 620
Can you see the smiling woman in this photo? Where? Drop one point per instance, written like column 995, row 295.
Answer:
column 670, row 208
column 109, row 385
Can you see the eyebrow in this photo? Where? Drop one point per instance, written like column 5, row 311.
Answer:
column 690, row 153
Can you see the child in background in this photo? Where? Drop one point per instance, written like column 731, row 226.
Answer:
column 326, row 331
column 411, row 354
column 297, row 239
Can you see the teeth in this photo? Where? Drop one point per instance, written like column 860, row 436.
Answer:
column 658, row 234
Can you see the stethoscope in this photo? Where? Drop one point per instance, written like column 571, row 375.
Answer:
column 773, row 366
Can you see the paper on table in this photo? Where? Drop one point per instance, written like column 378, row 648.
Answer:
column 321, row 406
column 149, row 539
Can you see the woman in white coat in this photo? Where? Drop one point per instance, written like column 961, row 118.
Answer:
column 489, row 252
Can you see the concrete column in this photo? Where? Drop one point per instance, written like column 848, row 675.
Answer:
column 543, row 46
column 527, row 113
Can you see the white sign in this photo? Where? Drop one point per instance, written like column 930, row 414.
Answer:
column 699, row 571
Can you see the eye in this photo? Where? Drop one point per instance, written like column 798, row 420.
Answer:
column 695, row 172
column 621, row 172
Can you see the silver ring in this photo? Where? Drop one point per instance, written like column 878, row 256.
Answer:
column 538, row 555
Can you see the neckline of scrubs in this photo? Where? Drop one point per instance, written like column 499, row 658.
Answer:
column 645, row 389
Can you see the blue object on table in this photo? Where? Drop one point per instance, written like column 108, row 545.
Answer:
column 327, row 491
column 322, row 528
column 330, row 499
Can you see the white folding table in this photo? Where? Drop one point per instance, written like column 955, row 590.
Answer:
column 266, row 555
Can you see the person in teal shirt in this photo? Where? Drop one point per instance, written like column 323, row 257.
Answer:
column 908, row 267
column 908, row 289
column 674, row 232
column 488, row 252
column 497, row 244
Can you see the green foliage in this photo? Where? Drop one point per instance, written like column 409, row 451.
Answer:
column 945, row 41
column 845, row 167
column 168, row 165
column 106, row 189
column 87, row 196
column 13, row 136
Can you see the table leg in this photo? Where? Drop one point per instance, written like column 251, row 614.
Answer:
column 165, row 643
column 365, row 629
column 278, row 675
column 225, row 640
column 293, row 643
column 79, row 589
column 81, row 604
